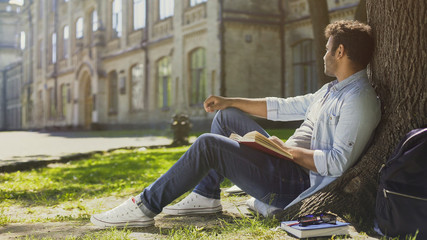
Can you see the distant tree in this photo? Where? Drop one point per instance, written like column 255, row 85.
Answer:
column 360, row 14
column 398, row 72
column 319, row 14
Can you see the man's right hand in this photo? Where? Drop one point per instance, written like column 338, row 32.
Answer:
column 256, row 107
column 214, row 103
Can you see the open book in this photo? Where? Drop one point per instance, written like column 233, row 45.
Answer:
column 258, row 141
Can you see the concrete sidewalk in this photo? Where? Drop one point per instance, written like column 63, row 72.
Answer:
column 21, row 148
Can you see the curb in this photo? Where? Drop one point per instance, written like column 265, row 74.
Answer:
column 33, row 163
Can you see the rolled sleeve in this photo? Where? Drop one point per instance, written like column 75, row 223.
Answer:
column 320, row 162
column 288, row 109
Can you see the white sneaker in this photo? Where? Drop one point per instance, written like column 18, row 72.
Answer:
column 234, row 190
column 261, row 208
column 126, row 214
column 194, row 204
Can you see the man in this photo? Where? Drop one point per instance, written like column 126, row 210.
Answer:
column 339, row 121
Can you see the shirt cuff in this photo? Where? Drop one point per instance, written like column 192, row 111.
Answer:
column 320, row 162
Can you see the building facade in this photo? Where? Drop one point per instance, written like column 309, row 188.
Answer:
column 117, row 63
column 10, row 66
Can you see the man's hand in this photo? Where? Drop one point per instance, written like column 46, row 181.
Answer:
column 256, row 107
column 214, row 103
column 279, row 142
column 302, row 156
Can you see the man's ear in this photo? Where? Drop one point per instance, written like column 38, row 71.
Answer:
column 340, row 51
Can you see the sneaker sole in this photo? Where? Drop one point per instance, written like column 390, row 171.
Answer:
column 191, row 211
column 104, row 224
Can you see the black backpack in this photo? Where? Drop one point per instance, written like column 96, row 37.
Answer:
column 401, row 205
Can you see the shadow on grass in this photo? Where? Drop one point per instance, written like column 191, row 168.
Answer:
column 101, row 175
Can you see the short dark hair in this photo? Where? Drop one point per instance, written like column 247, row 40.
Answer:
column 356, row 37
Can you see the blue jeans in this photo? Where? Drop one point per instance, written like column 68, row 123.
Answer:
column 214, row 156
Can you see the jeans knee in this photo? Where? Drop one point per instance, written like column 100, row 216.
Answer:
column 205, row 140
column 228, row 113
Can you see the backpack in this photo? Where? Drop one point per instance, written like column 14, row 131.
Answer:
column 401, row 204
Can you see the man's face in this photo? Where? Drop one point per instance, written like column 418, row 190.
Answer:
column 329, row 60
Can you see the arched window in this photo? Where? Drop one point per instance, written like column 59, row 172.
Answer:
column 22, row 40
column 197, row 76
column 113, row 95
column 166, row 8
column 117, row 18
column 137, row 87
column 138, row 14
column 79, row 28
column 304, row 68
column 66, row 36
column 196, row 2
column 164, row 83
column 95, row 23
column 53, row 48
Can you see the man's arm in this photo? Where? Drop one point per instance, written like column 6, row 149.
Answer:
column 252, row 106
column 301, row 156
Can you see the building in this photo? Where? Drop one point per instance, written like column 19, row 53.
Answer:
column 10, row 66
column 131, row 63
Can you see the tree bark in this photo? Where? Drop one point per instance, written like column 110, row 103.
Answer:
column 398, row 73
column 319, row 14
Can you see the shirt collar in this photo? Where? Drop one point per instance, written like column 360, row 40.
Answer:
column 337, row 86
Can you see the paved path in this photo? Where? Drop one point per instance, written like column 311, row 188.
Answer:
column 21, row 146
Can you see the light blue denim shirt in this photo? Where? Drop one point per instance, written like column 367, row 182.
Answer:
column 339, row 121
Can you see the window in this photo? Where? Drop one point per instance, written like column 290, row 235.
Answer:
column 138, row 14
column 40, row 106
column 164, row 83
column 51, row 103
column 137, row 87
column 53, row 48
column 53, row 5
column 166, row 8
column 63, row 99
column 117, row 18
column 66, row 37
column 79, row 28
column 197, row 76
column 22, row 40
column 113, row 96
column 41, row 6
column 17, row 2
column 304, row 67
column 40, row 57
column 195, row 2
column 94, row 21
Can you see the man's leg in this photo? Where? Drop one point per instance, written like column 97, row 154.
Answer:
column 274, row 181
column 225, row 122
column 271, row 180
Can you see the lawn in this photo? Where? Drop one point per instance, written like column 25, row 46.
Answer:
column 73, row 191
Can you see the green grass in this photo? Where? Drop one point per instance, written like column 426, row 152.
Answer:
column 117, row 173
column 120, row 173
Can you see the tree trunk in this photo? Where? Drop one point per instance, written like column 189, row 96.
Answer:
column 320, row 19
column 398, row 73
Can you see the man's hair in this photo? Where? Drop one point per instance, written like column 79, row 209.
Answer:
column 356, row 38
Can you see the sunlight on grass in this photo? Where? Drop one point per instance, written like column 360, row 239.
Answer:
column 69, row 187
column 120, row 173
